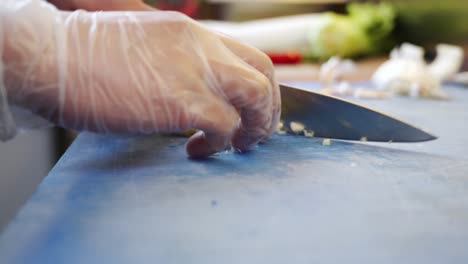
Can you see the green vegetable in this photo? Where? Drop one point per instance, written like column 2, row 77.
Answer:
column 433, row 21
column 338, row 36
column 365, row 30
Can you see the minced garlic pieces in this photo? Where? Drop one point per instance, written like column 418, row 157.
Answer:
column 297, row 127
column 308, row 133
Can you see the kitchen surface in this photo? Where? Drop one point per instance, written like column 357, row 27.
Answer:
column 294, row 198
column 398, row 70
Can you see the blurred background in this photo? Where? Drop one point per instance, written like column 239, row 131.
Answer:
column 364, row 31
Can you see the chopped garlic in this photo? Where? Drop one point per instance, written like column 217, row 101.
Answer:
column 297, row 127
column 280, row 125
column 326, row 142
column 309, row 133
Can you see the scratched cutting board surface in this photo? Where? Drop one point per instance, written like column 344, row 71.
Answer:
column 120, row 199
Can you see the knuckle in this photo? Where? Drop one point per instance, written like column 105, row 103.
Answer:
column 262, row 87
column 265, row 64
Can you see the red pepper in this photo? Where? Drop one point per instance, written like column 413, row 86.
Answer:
column 290, row 57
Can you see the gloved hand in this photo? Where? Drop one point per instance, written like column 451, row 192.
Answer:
column 136, row 72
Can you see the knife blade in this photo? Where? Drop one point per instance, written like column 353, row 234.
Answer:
column 330, row 117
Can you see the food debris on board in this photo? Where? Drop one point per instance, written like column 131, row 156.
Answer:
column 344, row 89
column 407, row 74
column 309, row 133
column 331, row 75
column 333, row 70
column 297, row 127
column 280, row 129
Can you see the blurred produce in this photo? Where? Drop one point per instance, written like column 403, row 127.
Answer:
column 406, row 73
column 332, row 81
column 461, row 78
column 365, row 30
column 429, row 22
column 291, row 57
column 333, row 70
column 447, row 63
column 274, row 35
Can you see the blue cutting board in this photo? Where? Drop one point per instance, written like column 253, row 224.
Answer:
column 114, row 199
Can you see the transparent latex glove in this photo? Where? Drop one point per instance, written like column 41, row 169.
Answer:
column 137, row 72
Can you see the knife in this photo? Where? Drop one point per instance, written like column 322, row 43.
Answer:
column 326, row 116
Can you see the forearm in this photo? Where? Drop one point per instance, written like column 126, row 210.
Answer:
column 24, row 27
column 50, row 69
column 19, row 46
column 28, row 31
